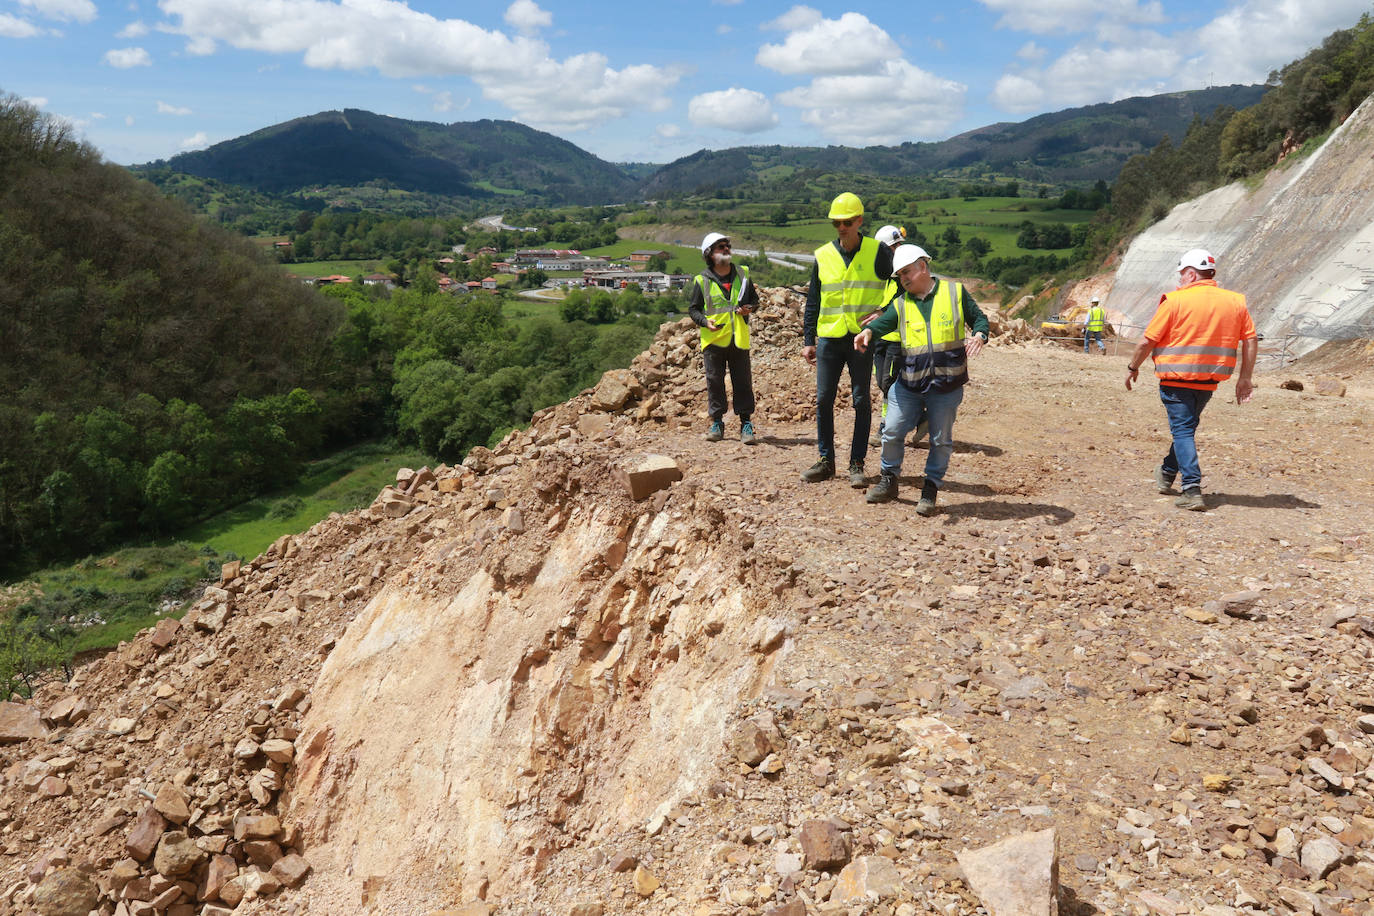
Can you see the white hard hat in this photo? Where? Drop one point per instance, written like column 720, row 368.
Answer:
column 1095, row 299
column 1198, row 259
column 906, row 255
column 890, row 235
column 711, row 239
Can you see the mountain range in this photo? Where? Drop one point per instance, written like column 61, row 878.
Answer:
column 490, row 159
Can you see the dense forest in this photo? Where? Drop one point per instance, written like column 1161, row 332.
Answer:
column 159, row 369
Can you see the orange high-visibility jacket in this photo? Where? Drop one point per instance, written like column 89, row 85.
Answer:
column 1196, row 332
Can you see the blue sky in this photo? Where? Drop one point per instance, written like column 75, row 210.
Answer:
column 146, row 79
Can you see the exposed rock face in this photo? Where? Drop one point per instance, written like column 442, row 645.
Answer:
column 1300, row 246
column 20, row 722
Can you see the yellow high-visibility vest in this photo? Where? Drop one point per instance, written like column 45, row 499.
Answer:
column 720, row 308
column 847, row 293
column 933, row 355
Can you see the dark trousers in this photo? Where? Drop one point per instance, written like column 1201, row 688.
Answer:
column 736, row 360
column 885, row 356
column 833, row 355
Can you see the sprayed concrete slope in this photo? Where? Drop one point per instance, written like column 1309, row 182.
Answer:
column 1300, row 245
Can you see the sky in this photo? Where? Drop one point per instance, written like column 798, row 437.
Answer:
column 147, row 79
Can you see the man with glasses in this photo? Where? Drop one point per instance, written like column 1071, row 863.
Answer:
column 846, row 287
column 721, row 300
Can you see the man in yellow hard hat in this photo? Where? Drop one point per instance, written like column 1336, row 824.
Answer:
column 846, row 287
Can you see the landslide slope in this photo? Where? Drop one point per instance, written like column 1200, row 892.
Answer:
column 1299, row 244
column 492, row 691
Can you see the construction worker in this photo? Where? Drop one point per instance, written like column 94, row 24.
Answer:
column 1196, row 336
column 846, row 287
column 940, row 327
column 1094, row 323
column 885, row 349
column 721, row 301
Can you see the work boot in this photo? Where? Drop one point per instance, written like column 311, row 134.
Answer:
column 1191, row 500
column 884, row 491
column 1163, row 482
column 821, row 470
column 857, row 478
column 746, row 433
column 926, row 506
column 876, row 439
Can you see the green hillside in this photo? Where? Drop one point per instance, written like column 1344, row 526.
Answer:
column 475, row 160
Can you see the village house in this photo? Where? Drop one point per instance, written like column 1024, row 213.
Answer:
column 382, row 280
column 489, row 283
column 643, row 256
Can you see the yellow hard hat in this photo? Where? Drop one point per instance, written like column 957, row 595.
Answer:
column 846, row 206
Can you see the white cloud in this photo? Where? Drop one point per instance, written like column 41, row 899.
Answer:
column 200, row 46
column 1015, row 92
column 37, row 101
column 62, row 10
column 128, row 120
column 1032, row 52
column 1251, row 38
column 727, row 2
column 667, row 131
column 397, row 41
column 795, row 19
column 97, row 116
column 902, row 102
column 443, row 101
column 164, row 108
column 527, row 17
column 741, row 110
column 1086, row 74
column 124, row 58
column 724, row 29
column 135, row 29
column 196, row 141
column 826, row 47
column 14, row 27
column 1070, row 16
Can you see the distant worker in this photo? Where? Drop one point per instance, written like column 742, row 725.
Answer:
column 722, row 299
column 940, row 327
column 1094, row 323
column 846, row 287
column 885, row 349
column 1194, row 337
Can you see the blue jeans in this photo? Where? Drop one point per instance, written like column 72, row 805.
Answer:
column 833, row 355
column 904, row 411
column 1093, row 335
column 1184, row 407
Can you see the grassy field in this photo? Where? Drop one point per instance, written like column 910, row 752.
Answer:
column 681, row 259
column 114, row 596
column 342, row 482
column 330, row 268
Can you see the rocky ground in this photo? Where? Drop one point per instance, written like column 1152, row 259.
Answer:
column 1182, row 697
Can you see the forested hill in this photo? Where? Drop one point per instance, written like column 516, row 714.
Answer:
column 148, row 359
column 1077, row 144
column 465, row 159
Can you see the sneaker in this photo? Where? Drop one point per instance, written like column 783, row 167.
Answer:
column 1163, row 482
column 821, row 470
column 926, row 506
column 716, row 432
column 884, row 491
column 1191, row 500
column 857, row 478
column 746, row 433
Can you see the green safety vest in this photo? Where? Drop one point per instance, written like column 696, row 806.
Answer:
column 933, row 355
column 1097, row 318
column 847, row 293
column 720, row 308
